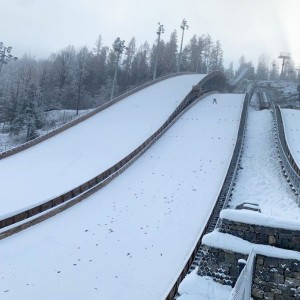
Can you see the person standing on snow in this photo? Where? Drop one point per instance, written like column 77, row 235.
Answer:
column 215, row 101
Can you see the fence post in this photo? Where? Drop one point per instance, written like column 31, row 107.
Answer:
column 241, row 264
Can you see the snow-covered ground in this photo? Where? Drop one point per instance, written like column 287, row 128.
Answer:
column 195, row 287
column 286, row 89
column 53, row 119
column 261, row 180
column 287, row 93
column 131, row 239
column 83, row 151
column 291, row 123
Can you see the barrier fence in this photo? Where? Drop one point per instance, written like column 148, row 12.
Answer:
column 243, row 285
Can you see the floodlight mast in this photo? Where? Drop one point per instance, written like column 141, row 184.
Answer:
column 4, row 58
column 184, row 27
column 119, row 47
column 284, row 56
column 159, row 32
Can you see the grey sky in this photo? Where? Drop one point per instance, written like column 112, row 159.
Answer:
column 249, row 27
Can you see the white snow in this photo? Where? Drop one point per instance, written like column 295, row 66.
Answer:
column 54, row 119
column 131, row 239
column 229, row 242
column 195, row 287
column 256, row 218
column 261, row 180
column 291, row 124
column 286, row 89
column 78, row 154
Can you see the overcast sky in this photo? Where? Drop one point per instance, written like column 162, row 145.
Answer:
column 244, row 27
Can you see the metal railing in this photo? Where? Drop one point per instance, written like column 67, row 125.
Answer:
column 84, row 190
column 243, row 285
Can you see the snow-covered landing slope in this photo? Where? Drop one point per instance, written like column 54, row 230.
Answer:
column 83, row 151
column 131, row 239
column 291, row 124
column 261, row 180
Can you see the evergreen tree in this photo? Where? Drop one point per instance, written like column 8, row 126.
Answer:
column 80, row 73
column 242, row 63
column 290, row 72
column 230, row 71
column 262, row 70
column 194, row 53
column 274, row 73
column 98, row 46
column 215, row 62
column 161, row 56
column 140, row 65
column 207, row 52
column 63, row 67
column 170, row 54
column 30, row 116
column 127, row 62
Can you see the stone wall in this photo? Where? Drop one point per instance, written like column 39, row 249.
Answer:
column 273, row 278
column 221, row 265
column 276, row 279
column 281, row 238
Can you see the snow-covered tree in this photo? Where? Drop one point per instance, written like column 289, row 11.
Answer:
column 230, row 71
column 129, row 54
column 274, row 72
column 262, row 70
column 79, row 78
column 98, row 45
column 215, row 61
column 80, row 73
column 140, row 65
column 170, row 55
column 29, row 115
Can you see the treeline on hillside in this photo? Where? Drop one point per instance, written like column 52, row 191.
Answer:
column 267, row 69
column 82, row 78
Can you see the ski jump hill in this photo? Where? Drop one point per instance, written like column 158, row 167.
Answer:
column 149, row 218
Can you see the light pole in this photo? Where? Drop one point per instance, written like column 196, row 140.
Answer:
column 284, row 56
column 159, row 32
column 119, row 47
column 184, row 27
column 5, row 58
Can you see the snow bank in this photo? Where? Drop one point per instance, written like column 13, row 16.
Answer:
column 229, row 242
column 255, row 218
column 291, row 124
column 195, row 287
